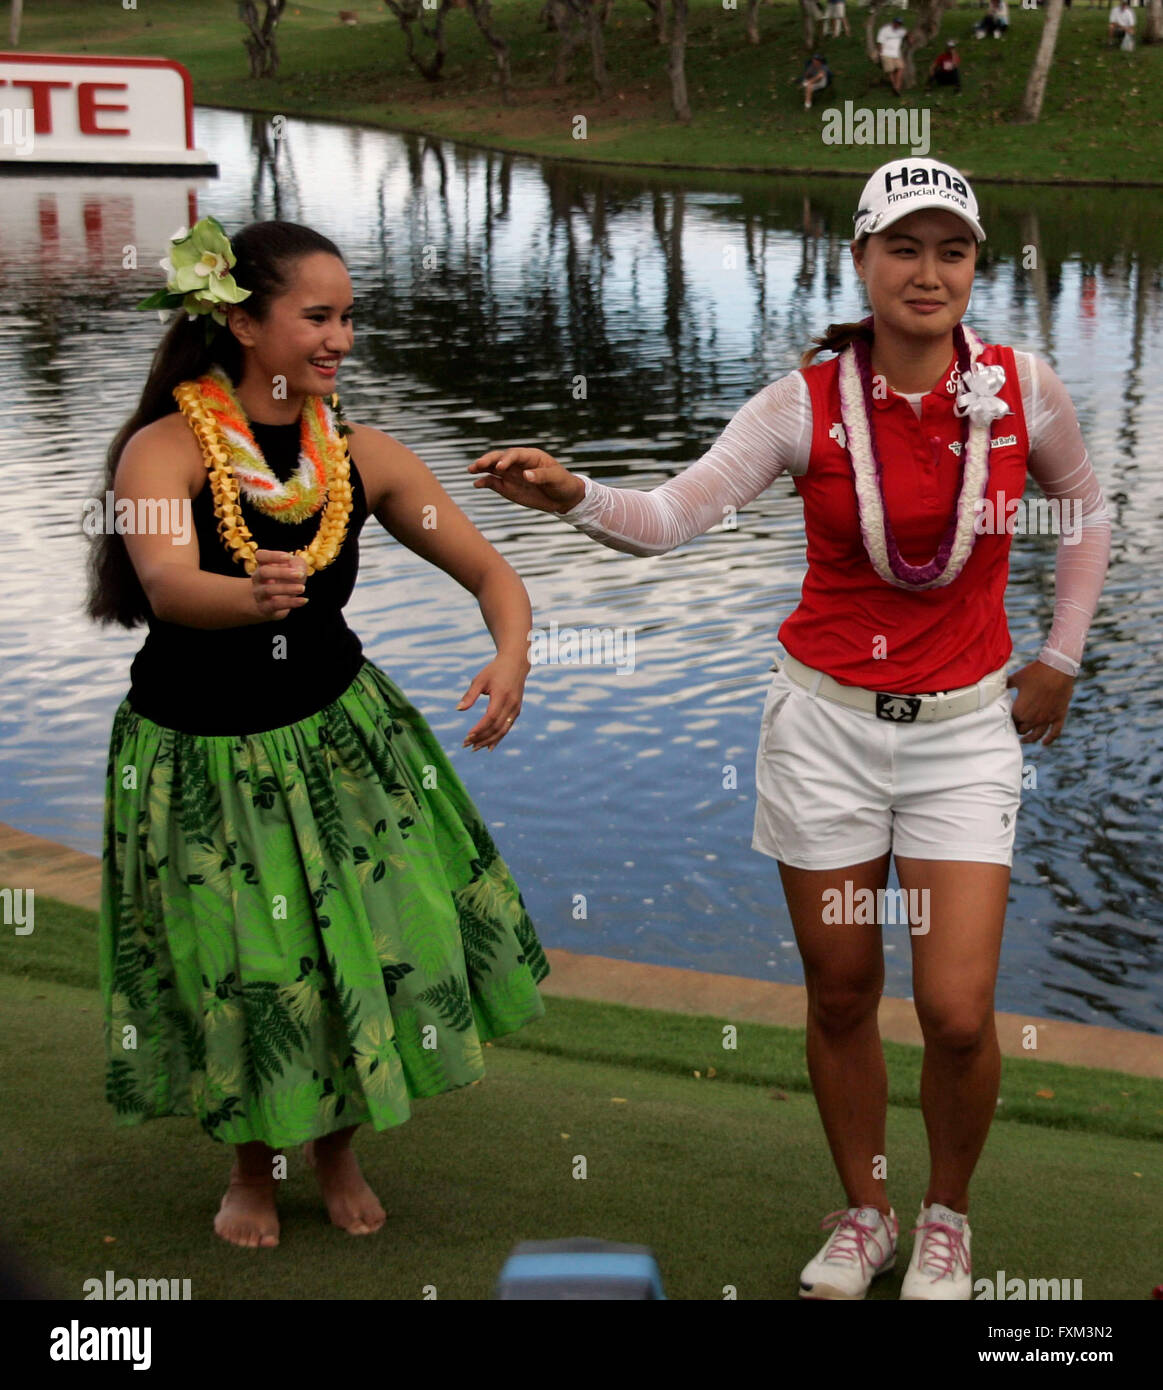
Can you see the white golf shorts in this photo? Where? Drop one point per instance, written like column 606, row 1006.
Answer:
column 837, row 786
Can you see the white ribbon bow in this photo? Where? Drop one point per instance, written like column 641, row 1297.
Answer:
column 978, row 397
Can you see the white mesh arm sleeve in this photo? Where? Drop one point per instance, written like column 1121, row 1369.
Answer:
column 770, row 434
column 1060, row 465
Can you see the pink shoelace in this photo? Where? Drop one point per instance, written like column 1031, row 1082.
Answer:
column 942, row 1260
column 850, row 1236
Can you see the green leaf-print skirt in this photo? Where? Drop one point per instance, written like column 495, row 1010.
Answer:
column 304, row 928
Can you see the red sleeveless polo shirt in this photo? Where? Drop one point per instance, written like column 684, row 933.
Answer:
column 849, row 623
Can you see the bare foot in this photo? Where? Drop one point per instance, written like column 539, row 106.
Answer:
column 247, row 1215
column 351, row 1203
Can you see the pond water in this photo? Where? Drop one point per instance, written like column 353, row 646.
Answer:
column 485, row 285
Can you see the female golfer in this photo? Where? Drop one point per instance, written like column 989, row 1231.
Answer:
column 304, row 920
column 887, row 727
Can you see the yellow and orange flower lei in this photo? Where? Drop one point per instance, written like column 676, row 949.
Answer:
column 234, row 461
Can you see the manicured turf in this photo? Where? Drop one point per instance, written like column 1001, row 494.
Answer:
column 1101, row 119
column 726, row 1178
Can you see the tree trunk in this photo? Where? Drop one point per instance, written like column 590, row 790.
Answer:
column 810, row 14
column 871, row 25
column 677, row 65
column 1031, row 107
column 409, row 12
column 483, row 14
column 14, row 23
column 928, row 25
column 562, row 17
column 594, row 14
column 1030, row 233
column 261, row 49
column 1153, row 24
column 657, row 10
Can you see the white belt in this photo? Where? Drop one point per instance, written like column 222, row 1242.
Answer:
column 899, row 709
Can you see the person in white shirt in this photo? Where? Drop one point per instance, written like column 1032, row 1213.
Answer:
column 889, row 39
column 1122, row 23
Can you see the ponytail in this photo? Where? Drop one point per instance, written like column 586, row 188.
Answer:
column 837, row 338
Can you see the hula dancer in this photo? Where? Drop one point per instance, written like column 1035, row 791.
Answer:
column 888, row 728
column 304, row 920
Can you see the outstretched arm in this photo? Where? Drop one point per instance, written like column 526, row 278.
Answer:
column 769, row 435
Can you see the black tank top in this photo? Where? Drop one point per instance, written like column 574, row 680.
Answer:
column 232, row 680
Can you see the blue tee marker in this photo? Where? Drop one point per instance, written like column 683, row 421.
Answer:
column 580, row 1267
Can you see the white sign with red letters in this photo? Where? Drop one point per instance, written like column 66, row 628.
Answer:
column 67, row 109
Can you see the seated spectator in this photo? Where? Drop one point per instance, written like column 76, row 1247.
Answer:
column 889, row 41
column 946, row 69
column 996, row 22
column 1122, row 24
column 815, row 77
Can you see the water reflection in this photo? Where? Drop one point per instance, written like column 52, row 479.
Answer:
column 618, row 321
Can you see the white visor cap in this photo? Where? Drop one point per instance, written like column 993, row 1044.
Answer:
column 906, row 185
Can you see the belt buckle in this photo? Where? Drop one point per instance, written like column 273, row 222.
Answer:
column 898, row 709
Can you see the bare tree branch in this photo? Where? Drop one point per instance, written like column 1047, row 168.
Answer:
column 482, row 12
column 563, row 18
column 929, row 16
column 409, row 13
column 261, row 49
column 578, row 22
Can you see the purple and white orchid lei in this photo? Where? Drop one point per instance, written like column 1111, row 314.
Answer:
column 978, row 405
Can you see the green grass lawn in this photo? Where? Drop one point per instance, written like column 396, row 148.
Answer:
column 725, row 1175
column 1101, row 121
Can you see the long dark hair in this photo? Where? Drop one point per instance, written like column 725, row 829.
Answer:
column 266, row 253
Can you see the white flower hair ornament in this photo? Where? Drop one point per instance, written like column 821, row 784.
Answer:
column 978, row 396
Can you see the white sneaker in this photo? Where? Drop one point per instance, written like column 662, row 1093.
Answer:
column 939, row 1266
column 862, row 1246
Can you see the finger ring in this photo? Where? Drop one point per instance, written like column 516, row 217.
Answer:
column 508, row 721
